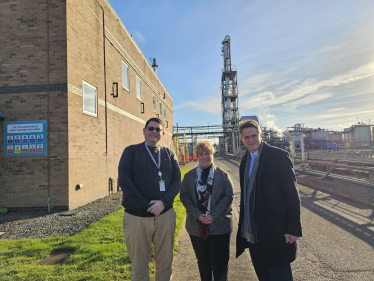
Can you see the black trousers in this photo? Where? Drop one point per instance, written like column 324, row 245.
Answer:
column 265, row 273
column 212, row 255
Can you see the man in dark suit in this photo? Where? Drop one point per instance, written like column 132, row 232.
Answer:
column 269, row 223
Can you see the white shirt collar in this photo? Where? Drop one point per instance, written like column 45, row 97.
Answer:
column 254, row 153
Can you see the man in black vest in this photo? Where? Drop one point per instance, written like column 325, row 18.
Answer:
column 269, row 223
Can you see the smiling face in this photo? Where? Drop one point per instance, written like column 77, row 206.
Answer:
column 251, row 138
column 152, row 137
column 204, row 158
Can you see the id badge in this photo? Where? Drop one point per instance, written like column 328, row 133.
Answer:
column 162, row 186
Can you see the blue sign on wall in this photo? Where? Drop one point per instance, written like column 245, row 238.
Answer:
column 25, row 138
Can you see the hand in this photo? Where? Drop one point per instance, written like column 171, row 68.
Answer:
column 290, row 238
column 156, row 208
column 205, row 219
column 211, row 220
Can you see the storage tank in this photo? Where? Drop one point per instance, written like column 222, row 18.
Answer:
column 320, row 135
column 362, row 136
column 336, row 137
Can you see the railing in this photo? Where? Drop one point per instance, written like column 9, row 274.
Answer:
column 338, row 177
column 339, row 154
column 332, row 166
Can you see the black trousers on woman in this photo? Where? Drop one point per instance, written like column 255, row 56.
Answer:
column 212, row 256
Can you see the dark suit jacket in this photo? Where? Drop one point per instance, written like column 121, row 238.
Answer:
column 277, row 207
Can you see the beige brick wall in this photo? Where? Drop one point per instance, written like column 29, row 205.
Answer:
column 78, row 142
column 88, row 163
column 23, row 62
column 23, row 40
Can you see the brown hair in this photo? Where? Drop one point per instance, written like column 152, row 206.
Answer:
column 203, row 146
column 249, row 124
column 154, row 119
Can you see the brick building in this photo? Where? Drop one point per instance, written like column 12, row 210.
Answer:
column 52, row 68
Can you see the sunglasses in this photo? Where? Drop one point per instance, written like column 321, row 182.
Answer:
column 151, row 129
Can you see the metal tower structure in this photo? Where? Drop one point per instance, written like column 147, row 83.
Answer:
column 230, row 109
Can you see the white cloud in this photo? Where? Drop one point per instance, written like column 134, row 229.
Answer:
column 139, row 38
column 256, row 83
column 263, row 82
column 328, row 49
column 261, row 100
column 362, row 114
column 212, row 105
column 307, row 87
column 291, row 95
column 313, row 98
column 336, row 109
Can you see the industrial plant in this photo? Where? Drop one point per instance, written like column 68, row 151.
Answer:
column 226, row 137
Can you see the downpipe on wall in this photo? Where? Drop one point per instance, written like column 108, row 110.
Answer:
column 106, row 109
column 48, row 116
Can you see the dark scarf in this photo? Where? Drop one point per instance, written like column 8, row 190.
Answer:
column 204, row 186
column 249, row 230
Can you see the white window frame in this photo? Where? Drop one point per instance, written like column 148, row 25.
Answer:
column 160, row 109
column 165, row 111
column 83, row 96
column 154, row 103
column 128, row 77
column 138, row 88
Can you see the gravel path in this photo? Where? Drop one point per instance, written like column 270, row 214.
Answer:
column 41, row 224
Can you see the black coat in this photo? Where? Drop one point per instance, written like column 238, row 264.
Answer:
column 277, row 206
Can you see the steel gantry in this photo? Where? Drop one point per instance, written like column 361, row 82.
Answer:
column 230, row 103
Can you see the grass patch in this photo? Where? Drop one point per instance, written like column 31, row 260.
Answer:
column 100, row 252
column 181, row 213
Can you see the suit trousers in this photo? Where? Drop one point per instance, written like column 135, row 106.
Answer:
column 265, row 273
column 140, row 233
column 212, row 255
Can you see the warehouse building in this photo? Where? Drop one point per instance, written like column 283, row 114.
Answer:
column 73, row 78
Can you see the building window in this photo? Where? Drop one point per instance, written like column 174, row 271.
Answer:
column 138, row 88
column 154, row 103
column 160, row 109
column 125, row 77
column 165, row 111
column 89, row 99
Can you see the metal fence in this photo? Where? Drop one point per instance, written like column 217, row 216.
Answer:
column 339, row 154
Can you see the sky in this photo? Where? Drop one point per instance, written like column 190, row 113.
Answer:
column 309, row 62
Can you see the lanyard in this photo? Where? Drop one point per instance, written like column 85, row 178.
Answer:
column 153, row 159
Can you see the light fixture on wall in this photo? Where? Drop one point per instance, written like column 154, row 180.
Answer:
column 115, row 89
column 167, row 124
column 2, row 115
column 142, row 107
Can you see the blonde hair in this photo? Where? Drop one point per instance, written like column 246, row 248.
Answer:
column 203, row 146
